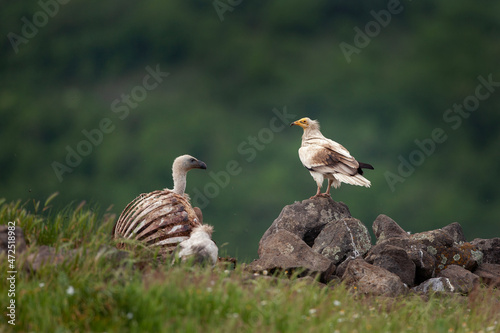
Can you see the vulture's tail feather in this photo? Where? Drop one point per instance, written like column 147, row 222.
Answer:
column 364, row 166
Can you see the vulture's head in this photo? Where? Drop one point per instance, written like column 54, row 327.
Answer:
column 188, row 162
column 181, row 166
column 306, row 123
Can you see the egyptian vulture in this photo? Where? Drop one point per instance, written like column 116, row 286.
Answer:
column 325, row 158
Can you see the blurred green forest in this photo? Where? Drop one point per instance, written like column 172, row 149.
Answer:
column 74, row 67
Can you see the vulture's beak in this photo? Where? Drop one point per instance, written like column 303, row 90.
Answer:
column 297, row 122
column 201, row 165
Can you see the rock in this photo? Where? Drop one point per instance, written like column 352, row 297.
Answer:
column 432, row 251
column 45, row 255
column 285, row 251
column 456, row 232
column 489, row 274
column 111, row 253
column 465, row 255
column 440, row 284
column 307, row 218
column 19, row 240
column 462, row 280
column 395, row 260
column 342, row 267
column 433, row 239
column 424, row 262
column 369, row 279
column 446, row 245
column 384, row 228
column 490, row 249
column 342, row 239
column 445, row 251
column 310, row 281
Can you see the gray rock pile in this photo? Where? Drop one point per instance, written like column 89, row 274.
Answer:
column 320, row 237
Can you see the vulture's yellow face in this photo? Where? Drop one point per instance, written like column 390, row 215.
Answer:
column 304, row 122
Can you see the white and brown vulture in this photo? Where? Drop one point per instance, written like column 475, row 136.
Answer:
column 325, row 158
column 164, row 218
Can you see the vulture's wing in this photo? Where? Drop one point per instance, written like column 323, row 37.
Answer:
column 327, row 156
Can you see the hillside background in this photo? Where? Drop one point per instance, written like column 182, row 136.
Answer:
column 229, row 65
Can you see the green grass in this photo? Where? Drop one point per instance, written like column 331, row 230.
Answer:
column 91, row 293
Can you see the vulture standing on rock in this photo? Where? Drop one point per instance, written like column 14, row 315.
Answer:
column 162, row 218
column 325, row 158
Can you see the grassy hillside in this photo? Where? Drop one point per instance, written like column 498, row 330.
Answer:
column 91, row 293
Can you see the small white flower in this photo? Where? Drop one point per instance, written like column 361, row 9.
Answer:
column 41, row 284
column 130, row 315
column 70, row 291
column 336, row 303
column 312, row 311
column 209, row 289
column 263, row 303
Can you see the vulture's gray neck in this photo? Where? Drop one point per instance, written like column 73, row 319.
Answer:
column 179, row 176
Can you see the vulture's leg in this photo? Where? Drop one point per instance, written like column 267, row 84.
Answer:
column 318, row 193
column 330, row 182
